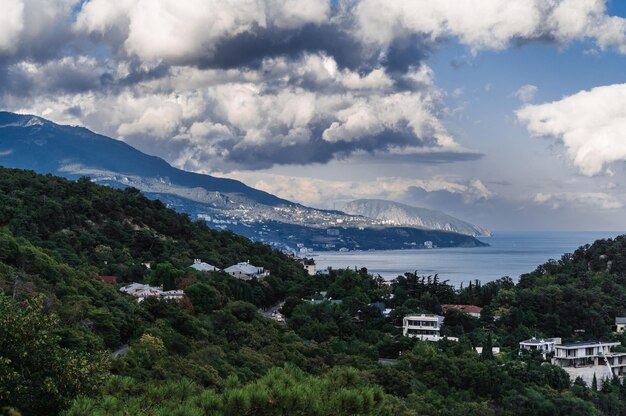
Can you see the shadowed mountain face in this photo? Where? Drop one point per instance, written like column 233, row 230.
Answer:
column 31, row 142
column 397, row 214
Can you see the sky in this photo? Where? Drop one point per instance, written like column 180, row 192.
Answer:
column 507, row 113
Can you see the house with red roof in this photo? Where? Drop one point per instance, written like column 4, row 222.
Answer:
column 109, row 280
column 472, row 310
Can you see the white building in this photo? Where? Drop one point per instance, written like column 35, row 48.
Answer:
column 426, row 327
column 201, row 266
column 141, row 292
column 494, row 350
column 309, row 266
column 544, row 345
column 246, row 271
column 620, row 324
column 583, row 359
column 583, row 353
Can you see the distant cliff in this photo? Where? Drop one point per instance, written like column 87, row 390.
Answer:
column 397, row 214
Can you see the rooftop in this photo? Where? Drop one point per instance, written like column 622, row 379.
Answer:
column 581, row 344
column 538, row 341
column 422, row 315
column 463, row 308
column 245, row 268
column 202, row 266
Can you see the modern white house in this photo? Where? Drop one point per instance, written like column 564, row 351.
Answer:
column 201, row 266
column 620, row 323
column 246, row 271
column 142, row 291
column 589, row 358
column 426, row 327
column 544, row 345
column 584, row 353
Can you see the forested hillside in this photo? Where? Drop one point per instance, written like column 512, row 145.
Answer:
column 214, row 353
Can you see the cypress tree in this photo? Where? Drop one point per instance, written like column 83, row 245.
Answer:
column 487, row 353
column 594, row 383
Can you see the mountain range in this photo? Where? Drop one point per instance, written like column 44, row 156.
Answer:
column 32, row 142
column 397, row 214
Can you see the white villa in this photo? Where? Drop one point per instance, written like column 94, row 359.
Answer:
column 201, row 266
column 246, row 271
column 620, row 324
column 544, row 345
column 585, row 353
column 141, row 292
column 423, row 326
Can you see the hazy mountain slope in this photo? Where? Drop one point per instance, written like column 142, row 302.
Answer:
column 397, row 214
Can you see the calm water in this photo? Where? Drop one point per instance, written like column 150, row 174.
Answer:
column 509, row 254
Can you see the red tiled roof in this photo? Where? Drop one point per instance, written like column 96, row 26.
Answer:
column 463, row 308
column 110, row 280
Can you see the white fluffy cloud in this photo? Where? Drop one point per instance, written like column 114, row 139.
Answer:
column 265, row 107
column 11, row 24
column 324, row 193
column 24, row 23
column 181, row 30
column 490, row 23
column 600, row 200
column 526, row 93
column 591, row 125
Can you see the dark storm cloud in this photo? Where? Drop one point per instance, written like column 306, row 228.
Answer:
column 434, row 158
column 250, row 48
column 318, row 150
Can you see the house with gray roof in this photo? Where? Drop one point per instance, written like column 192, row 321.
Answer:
column 201, row 266
column 620, row 323
column 543, row 345
column 246, row 271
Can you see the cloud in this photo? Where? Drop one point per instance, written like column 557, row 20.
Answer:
column 311, row 107
column 325, row 193
column 590, row 124
column 36, row 29
column 599, row 200
column 11, row 24
column 490, row 24
column 180, row 32
column 526, row 93
column 249, row 84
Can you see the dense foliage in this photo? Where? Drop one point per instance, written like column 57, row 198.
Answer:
column 215, row 352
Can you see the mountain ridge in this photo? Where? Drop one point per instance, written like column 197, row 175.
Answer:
column 399, row 214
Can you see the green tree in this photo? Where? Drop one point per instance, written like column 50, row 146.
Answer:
column 204, row 298
column 37, row 376
column 165, row 274
column 487, row 353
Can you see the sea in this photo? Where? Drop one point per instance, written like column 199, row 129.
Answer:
column 509, row 254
